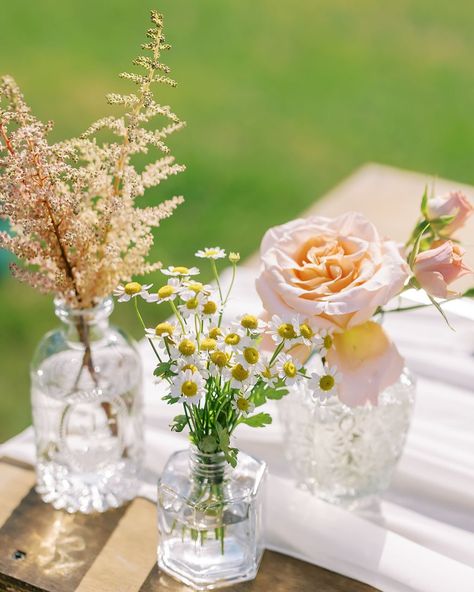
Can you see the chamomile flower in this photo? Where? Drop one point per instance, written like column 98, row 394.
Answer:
column 192, row 305
column 324, row 341
column 186, row 347
column 287, row 368
column 306, row 333
column 283, row 328
column 241, row 377
column 130, row 290
column 243, row 405
column 250, row 322
column 232, row 336
column 324, row 385
column 211, row 253
column 234, row 257
column 218, row 362
column 188, row 386
column 191, row 288
column 269, row 374
column 161, row 330
column 180, row 271
column 248, row 354
column 167, row 292
column 193, row 364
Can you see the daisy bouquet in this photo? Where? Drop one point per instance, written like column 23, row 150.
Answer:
column 222, row 371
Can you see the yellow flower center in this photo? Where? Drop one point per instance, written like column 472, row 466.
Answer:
column 186, row 347
column 208, row 343
column 191, row 367
column 234, row 257
column 326, row 382
column 215, row 332
column 219, row 358
column 211, row 252
column 164, row 329
column 195, row 287
column 251, row 355
column 242, row 404
column 132, row 288
column 240, row 373
column 166, row 291
column 210, row 307
column 232, row 339
column 290, row 369
column 249, row 322
column 180, row 270
column 192, row 304
column 286, row 331
column 327, row 342
column 189, row 388
column 306, row 331
column 267, row 373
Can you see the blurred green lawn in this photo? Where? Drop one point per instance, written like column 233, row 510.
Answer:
column 282, row 100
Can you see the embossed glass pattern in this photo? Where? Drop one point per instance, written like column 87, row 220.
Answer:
column 343, row 454
column 87, row 408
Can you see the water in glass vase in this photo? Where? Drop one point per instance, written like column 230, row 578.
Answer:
column 86, row 398
column 210, row 519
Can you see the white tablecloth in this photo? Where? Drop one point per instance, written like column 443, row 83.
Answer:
column 420, row 537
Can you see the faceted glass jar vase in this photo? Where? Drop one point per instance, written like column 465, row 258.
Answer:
column 87, row 412
column 346, row 455
column 210, row 518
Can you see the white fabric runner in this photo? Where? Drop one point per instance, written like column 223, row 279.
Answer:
column 421, row 537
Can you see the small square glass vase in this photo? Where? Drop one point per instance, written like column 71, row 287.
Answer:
column 210, row 518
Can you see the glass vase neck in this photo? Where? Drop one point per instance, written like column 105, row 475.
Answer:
column 84, row 325
column 211, row 467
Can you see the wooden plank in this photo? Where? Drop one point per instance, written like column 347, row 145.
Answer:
column 50, row 549
column 277, row 573
column 128, row 555
column 15, row 483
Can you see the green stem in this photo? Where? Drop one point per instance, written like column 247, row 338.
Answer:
column 178, row 316
column 150, row 341
column 216, row 276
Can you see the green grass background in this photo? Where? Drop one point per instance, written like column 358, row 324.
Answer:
column 282, row 100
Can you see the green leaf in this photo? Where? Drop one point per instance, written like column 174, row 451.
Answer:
column 208, row 444
column 257, row 421
column 179, row 423
column 416, row 246
column 469, row 293
column 169, row 399
column 424, row 203
column 277, row 394
column 440, row 310
column 224, row 438
column 164, row 370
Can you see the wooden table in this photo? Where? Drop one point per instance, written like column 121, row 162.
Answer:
column 44, row 550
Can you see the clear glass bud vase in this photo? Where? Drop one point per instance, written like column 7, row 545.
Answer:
column 346, row 455
column 87, row 412
column 210, row 518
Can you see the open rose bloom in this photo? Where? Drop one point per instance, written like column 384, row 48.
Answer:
column 336, row 272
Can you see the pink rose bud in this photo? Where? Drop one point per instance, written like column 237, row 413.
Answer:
column 438, row 267
column 454, row 204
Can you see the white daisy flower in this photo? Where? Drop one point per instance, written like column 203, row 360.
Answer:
column 241, row 377
column 218, row 363
column 268, row 374
column 306, row 332
column 250, row 322
column 211, row 253
column 194, row 364
column 232, row 336
column 179, row 271
column 192, row 306
column 283, row 328
column 186, row 347
column 324, row 341
column 324, row 385
column 288, row 368
column 191, row 288
column 188, row 386
column 161, row 330
column 249, row 355
column 167, row 292
column 130, row 290
column 243, row 405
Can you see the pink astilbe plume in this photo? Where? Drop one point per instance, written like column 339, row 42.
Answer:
column 75, row 225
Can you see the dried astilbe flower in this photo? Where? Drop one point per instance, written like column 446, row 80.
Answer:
column 75, row 224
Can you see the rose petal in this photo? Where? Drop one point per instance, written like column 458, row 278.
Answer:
column 369, row 362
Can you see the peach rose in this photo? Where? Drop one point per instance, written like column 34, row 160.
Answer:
column 336, row 271
column 453, row 204
column 438, row 267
